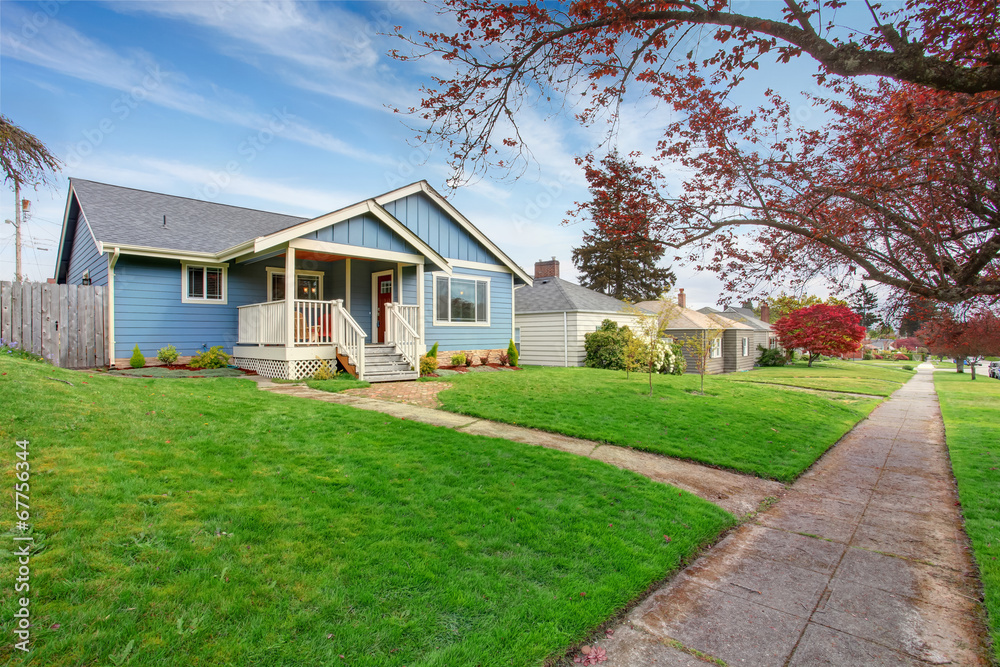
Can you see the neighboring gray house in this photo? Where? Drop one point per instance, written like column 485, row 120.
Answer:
column 738, row 344
column 731, row 352
column 552, row 315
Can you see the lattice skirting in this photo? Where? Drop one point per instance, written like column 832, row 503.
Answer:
column 283, row 370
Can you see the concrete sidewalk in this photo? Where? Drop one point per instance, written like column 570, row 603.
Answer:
column 863, row 562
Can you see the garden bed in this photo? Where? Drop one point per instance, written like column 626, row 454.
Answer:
column 179, row 371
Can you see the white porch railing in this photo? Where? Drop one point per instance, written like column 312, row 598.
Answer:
column 315, row 323
column 409, row 313
column 262, row 323
column 399, row 332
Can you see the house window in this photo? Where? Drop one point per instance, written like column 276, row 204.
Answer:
column 461, row 300
column 746, row 347
column 308, row 285
column 202, row 283
column 716, row 350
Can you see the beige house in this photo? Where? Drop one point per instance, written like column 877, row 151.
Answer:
column 552, row 316
column 733, row 351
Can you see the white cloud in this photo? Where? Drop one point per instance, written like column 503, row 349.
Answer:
column 142, row 79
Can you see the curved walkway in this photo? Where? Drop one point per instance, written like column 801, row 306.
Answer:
column 863, row 562
column 736, row 493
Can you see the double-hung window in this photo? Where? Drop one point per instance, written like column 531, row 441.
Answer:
column 461, row 300
column 716, row 348
column 746, row 347
column 202, row 283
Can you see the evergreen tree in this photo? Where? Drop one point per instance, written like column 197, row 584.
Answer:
column 618, row 257
column 864, row 302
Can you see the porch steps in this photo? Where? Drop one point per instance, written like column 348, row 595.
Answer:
column 384, row 364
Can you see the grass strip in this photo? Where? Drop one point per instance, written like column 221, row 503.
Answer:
column 753, row 428
column 972, row 430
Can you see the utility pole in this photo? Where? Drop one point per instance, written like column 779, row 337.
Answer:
column 17, row 231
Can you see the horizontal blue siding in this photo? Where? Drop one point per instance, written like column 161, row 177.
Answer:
column 85, row 257
column 495, row 336
column 437, row 229
column 364, row 231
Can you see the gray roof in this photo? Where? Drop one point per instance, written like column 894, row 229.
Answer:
column 548, row 295
column 135, row 217
column 746, row 316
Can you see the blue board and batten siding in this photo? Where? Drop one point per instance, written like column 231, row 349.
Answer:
column 364, row 231
column 436, row 228
column 84, row 256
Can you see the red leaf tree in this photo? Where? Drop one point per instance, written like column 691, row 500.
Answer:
column 821, row 329
column 971, row 340
column 900, row 186
column 910, row 344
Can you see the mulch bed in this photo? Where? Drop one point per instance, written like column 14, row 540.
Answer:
column 478, row 368
column 178, row 371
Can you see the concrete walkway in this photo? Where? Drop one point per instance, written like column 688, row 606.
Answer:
column 863, row 562
column 735, row 493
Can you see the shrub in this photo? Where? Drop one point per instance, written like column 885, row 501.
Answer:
column 679, row 363
column 605, row 347
column 324, row 372
column 137, row 360
column 484, row 360
column 433, row 354
column 907, row 367
column 504, row 359
column 211, row 358
column 770, row 356
column 468, row 359
column 458, row 359
column 902, row 357
column 866, row 355
column 512, row 353
column 428, row 364
column 167, row 355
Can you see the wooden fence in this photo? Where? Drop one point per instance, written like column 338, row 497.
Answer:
column 66, row 324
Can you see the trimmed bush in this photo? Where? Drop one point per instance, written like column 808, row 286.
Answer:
column 137, row 360
column 504, row 359
column 458, row 359
column 770, row 356
column 605, row 347
column 433, row 351
column 512, row 353
column 428, row 364
column 211, row 358
column 167, row 355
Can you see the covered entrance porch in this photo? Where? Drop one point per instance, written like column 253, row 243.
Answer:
column 372, row 328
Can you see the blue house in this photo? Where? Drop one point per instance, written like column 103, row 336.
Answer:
column 373, row 282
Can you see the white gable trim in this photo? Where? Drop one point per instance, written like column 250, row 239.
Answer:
column 424, row 186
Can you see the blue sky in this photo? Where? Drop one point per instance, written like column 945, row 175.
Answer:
column 280, row 106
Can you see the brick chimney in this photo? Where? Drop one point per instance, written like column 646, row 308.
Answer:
column 547, row 269
column 682, row 299
column 765, row 312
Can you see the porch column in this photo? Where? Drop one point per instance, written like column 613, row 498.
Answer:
column 420, row 307
column 290, row 296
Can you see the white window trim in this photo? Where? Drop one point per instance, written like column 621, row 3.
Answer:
column 460, row 276
column 373, row 305
column 273, row 270
column 746, row 346
column 716, row 350
column 204, row 265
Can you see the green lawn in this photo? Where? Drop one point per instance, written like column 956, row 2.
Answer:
column 972, row 428
column 204, row 522
column 862, row 377
column 340, row 383
column 754, row 428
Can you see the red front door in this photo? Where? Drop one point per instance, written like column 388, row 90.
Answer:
column 384, row 293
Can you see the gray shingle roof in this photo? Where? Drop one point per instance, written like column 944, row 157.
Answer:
column 746, row 316
column 548, row 295
column 135, row 217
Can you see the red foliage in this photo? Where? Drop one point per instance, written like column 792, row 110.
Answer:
column 901, row 186
column 821, row 329
column 976, row 337
column 910, row 343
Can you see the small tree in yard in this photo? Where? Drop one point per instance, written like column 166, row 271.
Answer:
column 655, row 353
column 701, row 345
column 633, row 351
column 821, row 329
column 971, row 340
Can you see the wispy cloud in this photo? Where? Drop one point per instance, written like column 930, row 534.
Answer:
column 63, row 49
column 322, row 48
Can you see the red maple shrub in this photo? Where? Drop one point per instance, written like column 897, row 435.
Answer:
column 973, row 339
column 821, row 329
column 910, row 343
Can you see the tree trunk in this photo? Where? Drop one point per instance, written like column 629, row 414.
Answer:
column 811, row 358
column 973, row 367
